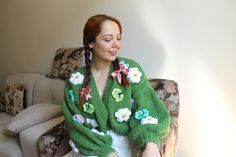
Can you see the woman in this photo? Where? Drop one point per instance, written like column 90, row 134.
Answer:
column 110, row 108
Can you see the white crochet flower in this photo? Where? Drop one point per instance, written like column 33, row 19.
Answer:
column 149, row 120
column 77, row 78
column 92, row 122
column 97, row 132
column 134, row 75
column 74, row 148
column 123, row 114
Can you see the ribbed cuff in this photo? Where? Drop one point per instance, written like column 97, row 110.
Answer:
column 144, row 135
column 150, row 137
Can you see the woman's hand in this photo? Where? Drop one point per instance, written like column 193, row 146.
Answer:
column 151, row 150
column 112, row 155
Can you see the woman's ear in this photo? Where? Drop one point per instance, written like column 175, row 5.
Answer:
column 91, row 45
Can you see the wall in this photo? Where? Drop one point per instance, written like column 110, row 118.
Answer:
column 191, row 42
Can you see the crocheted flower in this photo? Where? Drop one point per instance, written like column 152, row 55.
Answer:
column 74, row 148
column 149, row 120
column 72, row 96
column 92, row 122
column 77, row 78
column 117, row 94
column 123, row 115
column 144, row 113
column 97, row 132
column 134, row 75
column 88, row 108
column 78, row 118
column 124, row 63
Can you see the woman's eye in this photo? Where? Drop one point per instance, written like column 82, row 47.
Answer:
column 107, row 40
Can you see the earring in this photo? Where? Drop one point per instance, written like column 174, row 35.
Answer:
column 90, row 46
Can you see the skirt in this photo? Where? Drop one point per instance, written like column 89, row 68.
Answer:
column 121, row 144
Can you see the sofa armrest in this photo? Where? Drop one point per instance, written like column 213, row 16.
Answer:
column 168, row 92
column 29, row 137
column 27, row 80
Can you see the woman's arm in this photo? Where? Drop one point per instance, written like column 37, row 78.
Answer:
column 113, row 155
column 151, row 150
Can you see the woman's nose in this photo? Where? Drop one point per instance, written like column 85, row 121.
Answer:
column 116, row 43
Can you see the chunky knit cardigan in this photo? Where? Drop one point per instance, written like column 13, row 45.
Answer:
column 134, row 110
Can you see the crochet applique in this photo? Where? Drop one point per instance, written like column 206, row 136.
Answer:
column 144, row 113
column 124, row 63
column 76, row 78
column 88, row 108
column 123, row 115
column 74, row 148
column 92, row 122
column 97, row 132
column 117, row 94
column 78, row 118
column 134, row 75
column 72, row 96
column 149, row 120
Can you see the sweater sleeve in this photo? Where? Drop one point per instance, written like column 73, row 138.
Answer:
column 150, row 121
column 87, row 141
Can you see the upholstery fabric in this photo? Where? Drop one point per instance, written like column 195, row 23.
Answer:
column 54, row 143
column 2, row 103
column 167, row 90
column 66, row 60
column 15, row 96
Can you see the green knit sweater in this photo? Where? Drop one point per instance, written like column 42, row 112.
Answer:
column 134, row 111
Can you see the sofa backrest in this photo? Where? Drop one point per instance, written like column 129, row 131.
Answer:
column 39, row 89
column 48, row 90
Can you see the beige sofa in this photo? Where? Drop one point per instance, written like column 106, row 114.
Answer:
column 42, row 113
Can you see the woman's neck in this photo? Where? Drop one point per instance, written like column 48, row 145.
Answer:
column 100, row 66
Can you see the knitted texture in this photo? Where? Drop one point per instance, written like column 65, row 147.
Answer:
column 146, row 119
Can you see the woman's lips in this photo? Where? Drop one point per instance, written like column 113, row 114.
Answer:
column 113, row 53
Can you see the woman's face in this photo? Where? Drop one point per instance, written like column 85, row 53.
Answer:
column 107, row 42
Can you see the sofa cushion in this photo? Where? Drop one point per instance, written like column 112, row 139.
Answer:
column 66, row 60
column 15, row 98
column 32, row 115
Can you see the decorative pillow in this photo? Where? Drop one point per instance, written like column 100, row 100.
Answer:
column 32, row 115
column 15, row 98
column 2, row 103
column 66, row 60
column 55, row 142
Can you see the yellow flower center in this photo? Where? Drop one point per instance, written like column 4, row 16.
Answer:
column 123, row 116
